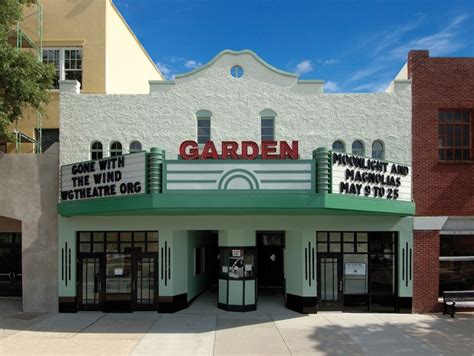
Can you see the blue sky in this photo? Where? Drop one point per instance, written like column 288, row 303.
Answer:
column 355, row 46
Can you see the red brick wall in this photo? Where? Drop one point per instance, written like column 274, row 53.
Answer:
column 425, row 271
column 440, row 188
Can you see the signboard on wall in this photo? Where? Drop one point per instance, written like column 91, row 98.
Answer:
column 108, row 177
column 355, row 269
column 370, row 178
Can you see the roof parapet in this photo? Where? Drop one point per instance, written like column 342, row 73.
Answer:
column 160, row 85
column 398, row 85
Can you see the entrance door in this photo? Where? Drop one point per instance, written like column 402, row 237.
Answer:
column 118, row 282
column 91, row 281
column 270, row 274
column 10, row 265
column 145, row 281
column 330, row 284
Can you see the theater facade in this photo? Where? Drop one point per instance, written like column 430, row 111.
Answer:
column 239, row 180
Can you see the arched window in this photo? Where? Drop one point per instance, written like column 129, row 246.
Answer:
column 115, row 149
column 203, row 118
column 267, row 124
column 378, row 150
column 338, row 146
column 97, row 151
column 358, row 148
column 135, row 146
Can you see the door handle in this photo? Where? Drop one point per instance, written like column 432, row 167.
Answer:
column 340, row 286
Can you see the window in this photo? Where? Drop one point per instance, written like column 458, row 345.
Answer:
column 48, row 137
column 203, row 126
column 66, row 61
column 97, row 150
column 237, row 71
column 267, row 118
column 115, row 149
column 454, row 136
column 378, row 152
column 456, row 263
column 135, row 146
column 338, row 146
column 358, row 148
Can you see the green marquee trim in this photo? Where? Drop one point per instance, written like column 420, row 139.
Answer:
column 236, row 204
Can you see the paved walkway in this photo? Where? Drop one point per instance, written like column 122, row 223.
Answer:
column 203, row 329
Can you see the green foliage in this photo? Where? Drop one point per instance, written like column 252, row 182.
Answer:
column 23, row 80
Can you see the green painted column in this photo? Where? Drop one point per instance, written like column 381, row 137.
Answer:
column 67, row 276
column 300, row 270
column 405, row 257
column 323, row 159
column 155, row 170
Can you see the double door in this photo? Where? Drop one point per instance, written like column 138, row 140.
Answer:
column 10, row 265
column 118, row 281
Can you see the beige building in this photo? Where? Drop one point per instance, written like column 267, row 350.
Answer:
column 88, row 41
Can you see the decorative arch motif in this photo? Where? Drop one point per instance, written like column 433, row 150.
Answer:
column 238, row 179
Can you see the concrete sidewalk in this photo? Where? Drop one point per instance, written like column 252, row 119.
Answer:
column 203, row 329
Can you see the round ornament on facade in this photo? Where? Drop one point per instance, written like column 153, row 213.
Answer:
column 237, row 71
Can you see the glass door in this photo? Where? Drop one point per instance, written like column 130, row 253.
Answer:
column 10, row 265
column 91, row 276
column 145, row 278
column 118, row 282
column 330, row 283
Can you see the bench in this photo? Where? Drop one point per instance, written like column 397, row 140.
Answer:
column 457, row 299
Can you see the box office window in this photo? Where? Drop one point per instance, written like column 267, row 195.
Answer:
column 456, row 263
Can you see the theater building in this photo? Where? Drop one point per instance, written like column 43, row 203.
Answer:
column 443, row 186
column 239, row 177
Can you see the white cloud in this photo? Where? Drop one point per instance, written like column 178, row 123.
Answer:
column 164, row 69
column 304, row 66
column 191, row 63
column 372, row 87
column 441, row 43
column 364, row 73
column 330, row 61
column 331, row 87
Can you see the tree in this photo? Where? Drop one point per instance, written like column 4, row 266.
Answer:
column 24, row 80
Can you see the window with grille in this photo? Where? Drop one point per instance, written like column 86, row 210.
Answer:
column 358, row 148
column 267, row 124
column 454, row 140
column 66, row 61
column 338, row 146
column 203, row 126
column 115, row 149
column 378, row 151
column 135, row 147
column 97, row 150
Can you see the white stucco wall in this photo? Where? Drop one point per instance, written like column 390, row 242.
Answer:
column 166, row 117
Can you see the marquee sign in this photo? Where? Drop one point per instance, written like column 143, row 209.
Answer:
column 370, row 178
column 225, row 175
column 108, row 177
column 247, row 150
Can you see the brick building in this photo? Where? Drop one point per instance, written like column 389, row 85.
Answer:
column 443, row 180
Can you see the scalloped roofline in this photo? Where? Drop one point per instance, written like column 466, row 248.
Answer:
column 236, row 53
